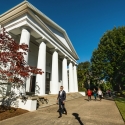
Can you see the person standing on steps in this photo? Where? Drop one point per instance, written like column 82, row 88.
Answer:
column 61, row 100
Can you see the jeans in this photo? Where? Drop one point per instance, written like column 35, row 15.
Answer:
column 95, row 96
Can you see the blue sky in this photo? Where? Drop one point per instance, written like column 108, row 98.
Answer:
column 85, row 21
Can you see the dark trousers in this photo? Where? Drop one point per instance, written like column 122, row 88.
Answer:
column 61, row 107
column 100, row 97
column 89, row 97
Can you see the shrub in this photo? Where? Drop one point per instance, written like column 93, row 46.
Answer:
column 82, row 89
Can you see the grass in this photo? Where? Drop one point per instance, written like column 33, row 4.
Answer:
column 120, row 102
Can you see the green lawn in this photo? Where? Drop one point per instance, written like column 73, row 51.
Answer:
column 120, row 102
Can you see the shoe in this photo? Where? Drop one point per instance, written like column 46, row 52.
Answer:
column 65, row 113
column 59, row 116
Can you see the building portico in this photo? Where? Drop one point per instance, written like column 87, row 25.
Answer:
column 50, row 49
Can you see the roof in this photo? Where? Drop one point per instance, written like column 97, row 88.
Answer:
column 26, row 4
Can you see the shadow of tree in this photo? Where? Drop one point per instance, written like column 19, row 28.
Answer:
column 78, row 118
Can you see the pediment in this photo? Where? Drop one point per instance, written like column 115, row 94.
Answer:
column 60, row 36
column 55, row 29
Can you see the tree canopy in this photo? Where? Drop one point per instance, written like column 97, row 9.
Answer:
column 83, row 74
column 108, row 60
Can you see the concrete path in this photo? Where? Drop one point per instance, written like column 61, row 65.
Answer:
column 80, row 112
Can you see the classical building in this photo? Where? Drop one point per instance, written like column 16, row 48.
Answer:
column 50, row 49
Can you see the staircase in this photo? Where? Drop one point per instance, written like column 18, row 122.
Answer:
column 53, row 98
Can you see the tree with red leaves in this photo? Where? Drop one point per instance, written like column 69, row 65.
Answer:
column 13, row 67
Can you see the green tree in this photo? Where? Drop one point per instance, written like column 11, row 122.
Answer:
column 105, row 86
column 83, row 74
column 108, row 60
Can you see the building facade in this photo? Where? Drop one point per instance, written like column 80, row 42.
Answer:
column 50, row 49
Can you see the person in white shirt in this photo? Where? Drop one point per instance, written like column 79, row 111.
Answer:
column 100, row 94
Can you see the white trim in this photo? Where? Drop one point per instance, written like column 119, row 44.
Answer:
column 26, row 21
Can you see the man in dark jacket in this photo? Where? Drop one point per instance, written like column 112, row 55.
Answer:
column 61, row 99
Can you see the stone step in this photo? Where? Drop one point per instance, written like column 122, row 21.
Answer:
column 53, row 98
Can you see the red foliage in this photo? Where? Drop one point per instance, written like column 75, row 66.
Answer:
column 13, row 67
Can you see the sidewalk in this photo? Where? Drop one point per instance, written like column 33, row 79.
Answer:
column 80, row 112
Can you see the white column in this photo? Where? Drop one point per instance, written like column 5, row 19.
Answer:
column 71, row 83
column 75, row 80
column 28, row 84
column 41, row 64
column 54, row 87
column 64, row 74
column 25, row 38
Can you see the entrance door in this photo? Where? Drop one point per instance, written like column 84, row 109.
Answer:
column 32, row 83
column 47, row 82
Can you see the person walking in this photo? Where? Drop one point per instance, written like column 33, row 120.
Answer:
column 89, row 93
column 61, row 100
column 95, row 93
column 100, row 94
column 109, row 93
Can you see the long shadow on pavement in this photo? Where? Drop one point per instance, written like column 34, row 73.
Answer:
column 92, row 100
column 108, row 99
column 78, row 118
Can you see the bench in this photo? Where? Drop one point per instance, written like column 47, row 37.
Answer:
column 43, row 99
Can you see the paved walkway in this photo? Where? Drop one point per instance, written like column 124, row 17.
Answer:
column 80, row 112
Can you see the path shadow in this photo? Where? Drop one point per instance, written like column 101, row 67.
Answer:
column 109, row 99
column 92, row 100
column 86, row 99
column 78, row 118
